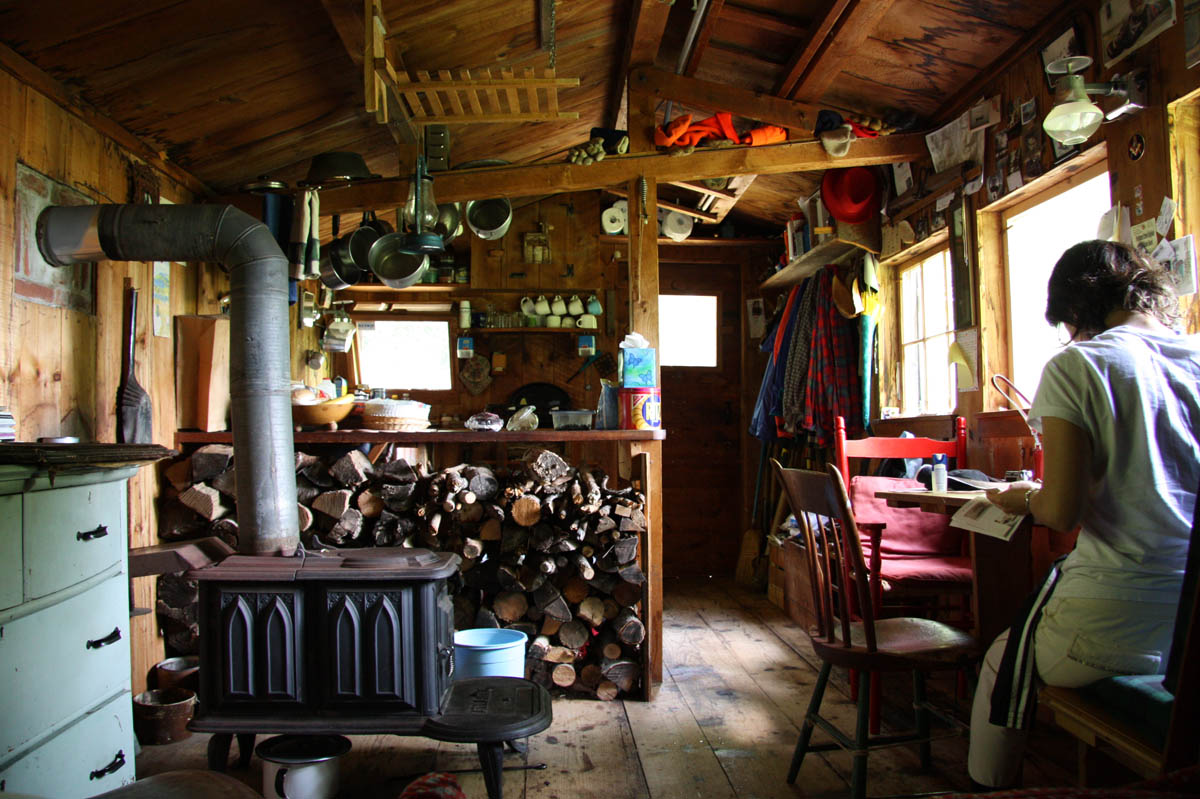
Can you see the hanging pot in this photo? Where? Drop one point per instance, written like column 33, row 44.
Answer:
column 380, row 226
column 360, row 242
column 489, row 219
column 449, row 222
column 338, row 269
column 394, row 264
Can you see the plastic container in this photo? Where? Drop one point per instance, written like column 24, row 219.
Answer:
column 572, row 420
column 489, row 652
column 937, row 481
column 641, row 408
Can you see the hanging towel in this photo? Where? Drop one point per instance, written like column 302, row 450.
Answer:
column 314, row 235
column 298, row 239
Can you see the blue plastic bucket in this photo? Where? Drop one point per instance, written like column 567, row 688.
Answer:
column 489, row 652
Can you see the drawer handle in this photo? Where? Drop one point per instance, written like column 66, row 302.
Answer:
column 88, row 535
column 117, row 764
column 111, row 638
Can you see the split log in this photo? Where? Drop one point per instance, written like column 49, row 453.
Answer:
column 226, row 483
column 469, row 513
column 306, row 492
column 625, row 550
column 559, row 654
column 352, row 469
column 526, row 627
column 629, row 627
column 611, row 608
column 583, row 566
column 610, row 647
column 179, row 474
column 550, row 601
column 348, row 528
column 607, row 690
column 486, row 618
column 575, row 590
column 490, row 530
column 539, row 647
column 632, row 574
column 204, row 500
column 316, row 474
column 590, row 676
column 482, row 482
column 472, row 548
column 304, row 460
column 370, row 503
column 398, row 472
column 626, row 594
column 333, row 503
column 591, row 611
column 546, row 467
column 210, row 460
column 591, row 492
column 510, row 605
column 305, row 516
column 573, row 634
column 563, row 675
column 526, row 510
column 178, row 522
column 550, row 625
column 622, row 673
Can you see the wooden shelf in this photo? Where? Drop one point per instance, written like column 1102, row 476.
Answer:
column 698, row 242
column 484, row 331
column 433, row 436
column 459, row 290
column 808, row 264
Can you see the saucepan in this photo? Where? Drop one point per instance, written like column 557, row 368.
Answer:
column 345, row 260
column 394, row 264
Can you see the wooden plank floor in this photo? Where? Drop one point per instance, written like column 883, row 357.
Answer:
column 736, row 682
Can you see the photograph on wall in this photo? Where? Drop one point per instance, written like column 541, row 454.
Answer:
column 1063, row 151
column 1126, row 25
column 1067, row 44
column 1031, row 151
column 1191, row 33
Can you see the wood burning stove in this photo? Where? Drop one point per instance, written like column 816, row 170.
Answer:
column 349, row 641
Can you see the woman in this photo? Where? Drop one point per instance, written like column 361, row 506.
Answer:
column 1119, row 414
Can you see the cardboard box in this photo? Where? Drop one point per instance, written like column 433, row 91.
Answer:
column 202, row 372
column 638, row 371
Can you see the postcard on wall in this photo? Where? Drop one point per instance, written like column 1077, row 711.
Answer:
column 985, row 113
column 1179, row 259
column 903, row 176
column 1166, row 215
column 1126, row 25
column 1145, row 236
column 954, row 143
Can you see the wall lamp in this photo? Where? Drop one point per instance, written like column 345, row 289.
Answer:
column 1074, row 118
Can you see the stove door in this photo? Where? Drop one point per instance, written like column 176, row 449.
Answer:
column 257, row 642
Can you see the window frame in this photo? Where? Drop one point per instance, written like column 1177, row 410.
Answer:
column 720, row 297
column 918, row 261
column 425, row 395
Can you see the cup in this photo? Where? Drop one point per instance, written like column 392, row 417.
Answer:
column 568, row 321
column 532, row 320
column 593, row 306
column 557, row 306
column 575, row 305
column 542, row 307
column 588, row 321
column 553, row 320
column 527, row 306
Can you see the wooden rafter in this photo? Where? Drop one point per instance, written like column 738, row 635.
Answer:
column 750, row 18
column 646, row 26
column 557, row 178
column 703, row 35
column 800, row 117
column 439, row 99
column 837, row 37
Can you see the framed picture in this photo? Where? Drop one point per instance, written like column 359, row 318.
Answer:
column 1068, row 43
column 1126, row 25
column 1028, row 111
column 1062, row 151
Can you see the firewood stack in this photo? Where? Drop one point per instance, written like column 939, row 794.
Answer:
column 546, row 548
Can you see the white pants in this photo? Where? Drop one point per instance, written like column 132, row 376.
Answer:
column 1077, row 642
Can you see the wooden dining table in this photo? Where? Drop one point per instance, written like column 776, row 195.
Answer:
column 1003, row 570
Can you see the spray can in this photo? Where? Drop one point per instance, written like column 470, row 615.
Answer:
column 938, row 479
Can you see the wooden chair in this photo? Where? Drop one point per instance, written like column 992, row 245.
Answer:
column 1149, row 723
column 837, row 572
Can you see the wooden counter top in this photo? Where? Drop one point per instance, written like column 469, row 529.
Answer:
column 432, row 436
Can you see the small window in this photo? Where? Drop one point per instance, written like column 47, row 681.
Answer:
column 926, row 330
column 687, row 330
column 411, row 355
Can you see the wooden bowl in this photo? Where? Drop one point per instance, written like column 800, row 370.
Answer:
column 322, row 413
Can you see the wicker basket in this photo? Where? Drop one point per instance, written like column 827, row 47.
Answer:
column 404, row 424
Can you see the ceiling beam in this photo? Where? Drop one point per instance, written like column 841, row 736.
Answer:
column 647, row 22
column 707, row 27
column 838, row 36
column 741, row 102
column 558, row 178
column 750, row 18
column 348, row 20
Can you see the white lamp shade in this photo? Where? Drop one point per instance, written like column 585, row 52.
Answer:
column 1073, row 122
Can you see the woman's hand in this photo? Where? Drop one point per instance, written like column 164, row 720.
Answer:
column 1012, row 499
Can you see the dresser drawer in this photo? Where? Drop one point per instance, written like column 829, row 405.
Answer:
column 71, row 534
column 10, row 550
column 63, row 659
column 90, row 757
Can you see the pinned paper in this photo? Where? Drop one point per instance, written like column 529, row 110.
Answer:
column 1182, row 265
column 1114, row 225
column 964, row 353
column 1145, row 236
column 1166, row 215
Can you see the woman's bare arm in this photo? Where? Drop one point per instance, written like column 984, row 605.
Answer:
column 1060, row 501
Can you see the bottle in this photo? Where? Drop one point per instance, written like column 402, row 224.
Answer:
column 938, row 479
column 464, row 315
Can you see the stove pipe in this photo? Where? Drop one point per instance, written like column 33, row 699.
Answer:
column 259, row 364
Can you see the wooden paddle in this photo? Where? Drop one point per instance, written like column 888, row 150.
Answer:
column 135, row 417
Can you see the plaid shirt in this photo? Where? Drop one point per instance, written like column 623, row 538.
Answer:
column 834, row 386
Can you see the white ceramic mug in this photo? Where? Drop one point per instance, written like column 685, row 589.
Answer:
column 568, row 321
column 527, row 306
column 553, row 320
column 542, row 306
column 575, row 305
column 557, row 306
column 588, row 321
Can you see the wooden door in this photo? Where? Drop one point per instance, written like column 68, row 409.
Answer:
column 702, row 465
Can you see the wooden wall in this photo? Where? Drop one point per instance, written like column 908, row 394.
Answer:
column 1152, row 176
column 61, row 367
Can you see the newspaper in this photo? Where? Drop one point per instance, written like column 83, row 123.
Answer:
column 981, row 516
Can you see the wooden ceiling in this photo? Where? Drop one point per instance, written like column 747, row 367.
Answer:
column 231, row 90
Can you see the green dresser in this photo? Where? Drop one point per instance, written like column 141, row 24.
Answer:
column 66, row 727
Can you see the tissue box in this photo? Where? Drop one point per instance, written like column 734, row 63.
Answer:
column 639, row 368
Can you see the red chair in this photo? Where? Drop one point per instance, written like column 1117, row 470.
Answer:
column 915, row 560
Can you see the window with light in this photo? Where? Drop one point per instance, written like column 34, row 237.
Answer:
column 687, row 330
column 926, row 332
column 406, row 355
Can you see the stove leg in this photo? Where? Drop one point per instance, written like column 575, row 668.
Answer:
column 521, row 747
column 491, row 758
column 218, row 751
column 245, row 748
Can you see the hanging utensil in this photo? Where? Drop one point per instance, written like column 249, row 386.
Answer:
column 135, row 416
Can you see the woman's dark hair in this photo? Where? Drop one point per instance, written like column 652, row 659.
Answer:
column 1094, row 278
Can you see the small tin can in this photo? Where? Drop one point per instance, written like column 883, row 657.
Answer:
column 641, row 408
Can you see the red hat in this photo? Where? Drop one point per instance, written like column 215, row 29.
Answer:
column 851, row 195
